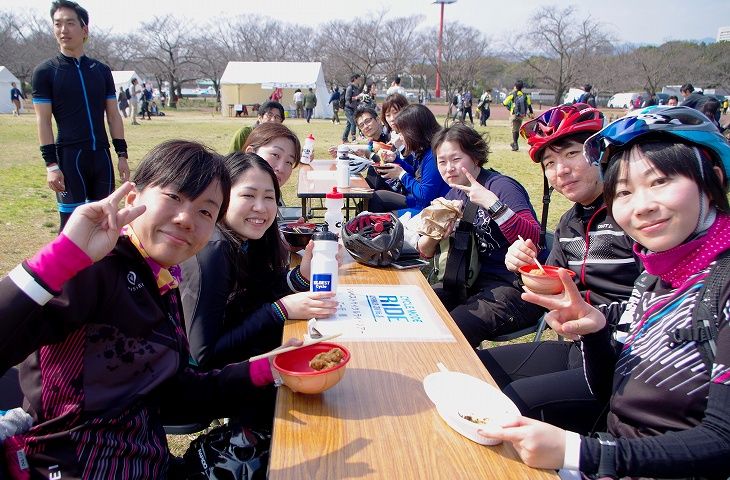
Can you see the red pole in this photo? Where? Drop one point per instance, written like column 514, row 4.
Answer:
column 438, row 69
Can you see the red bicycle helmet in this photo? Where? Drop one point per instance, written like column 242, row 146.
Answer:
column 559, row 122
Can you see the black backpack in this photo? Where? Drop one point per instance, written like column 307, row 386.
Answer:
column 520, row 104
column 588, row 98
column 126, row 92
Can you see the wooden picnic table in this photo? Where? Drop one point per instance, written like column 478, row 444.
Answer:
column 318, row 178
column 378, row 422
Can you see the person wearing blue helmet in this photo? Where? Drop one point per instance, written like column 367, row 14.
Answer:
column 665, row 184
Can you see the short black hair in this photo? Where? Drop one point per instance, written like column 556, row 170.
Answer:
column 190, row 166
column 687, row 87
column 271, row 105
column 671, row 157
column 587, row 87
column 519, row 84
column 363, row 109
column 354, row 77
column 673, row 97
column 80, row 11
column 397, row 80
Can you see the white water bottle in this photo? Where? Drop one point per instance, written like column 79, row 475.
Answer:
column 308, row 150
column 334, row 201
column 323, row 270
column 343, row 166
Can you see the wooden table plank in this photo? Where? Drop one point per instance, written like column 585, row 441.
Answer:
column 378, row 422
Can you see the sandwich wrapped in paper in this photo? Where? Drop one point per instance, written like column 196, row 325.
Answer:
column 436, row 218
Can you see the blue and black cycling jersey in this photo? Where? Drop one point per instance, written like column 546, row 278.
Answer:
column 78, row 91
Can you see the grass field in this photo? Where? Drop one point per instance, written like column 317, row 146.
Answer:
column 28, row 208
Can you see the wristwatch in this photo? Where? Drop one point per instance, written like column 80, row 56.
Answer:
column 607, row 462
column 496, row 210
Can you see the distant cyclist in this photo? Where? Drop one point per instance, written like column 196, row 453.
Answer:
column 77, row 91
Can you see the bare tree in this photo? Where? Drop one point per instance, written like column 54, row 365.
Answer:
column 557, row 47
column 209, row 58
column 463, row 55
column 163, row 49
column 25, row 41
column 357, row 48
column 399, row 40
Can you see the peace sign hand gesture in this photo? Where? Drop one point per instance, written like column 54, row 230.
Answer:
column 476, row 192
column 94, row 227
column 569, row 315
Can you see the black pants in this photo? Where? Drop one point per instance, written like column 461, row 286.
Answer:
column 546, row 382
column 10, row 394
column 386, row 201
column 464, row 113
column 88, row 176
column 493, row 308
column 484, row 116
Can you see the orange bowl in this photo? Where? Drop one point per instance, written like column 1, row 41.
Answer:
column 547, row 283
column 300, row 377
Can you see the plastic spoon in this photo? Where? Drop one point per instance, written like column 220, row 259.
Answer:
column 537, row 262
column 306, row 343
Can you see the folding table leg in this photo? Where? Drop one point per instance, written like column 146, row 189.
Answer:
column 305, row 213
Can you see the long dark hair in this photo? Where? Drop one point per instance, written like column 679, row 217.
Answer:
column 417, row 125
column 261, row 262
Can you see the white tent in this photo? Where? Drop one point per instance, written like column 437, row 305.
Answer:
column 6, row 78
column 123, row 78
column 249, row 83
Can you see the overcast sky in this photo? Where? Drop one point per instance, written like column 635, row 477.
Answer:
column 630, row 21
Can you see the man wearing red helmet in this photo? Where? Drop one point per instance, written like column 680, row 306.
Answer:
column 588, row 242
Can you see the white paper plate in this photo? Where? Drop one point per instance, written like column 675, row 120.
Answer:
column 456, row 393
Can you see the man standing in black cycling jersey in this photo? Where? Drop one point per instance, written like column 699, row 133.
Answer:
column 77, row 91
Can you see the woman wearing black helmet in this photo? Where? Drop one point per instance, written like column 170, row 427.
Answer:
column 669, row 386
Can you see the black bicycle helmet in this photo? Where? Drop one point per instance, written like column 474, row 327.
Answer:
column 374, row 239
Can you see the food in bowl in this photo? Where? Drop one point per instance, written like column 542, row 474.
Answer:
column 546, row 282
column 297, row 234
column 474, row 418
column 327, row 359
column 300, row 377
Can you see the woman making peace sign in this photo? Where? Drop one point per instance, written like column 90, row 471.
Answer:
column 493, row 305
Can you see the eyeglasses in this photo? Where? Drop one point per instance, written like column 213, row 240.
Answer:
column 272, row 116
column 365, row 122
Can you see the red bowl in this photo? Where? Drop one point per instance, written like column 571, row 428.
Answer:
column 546, row 283
column 300, row 377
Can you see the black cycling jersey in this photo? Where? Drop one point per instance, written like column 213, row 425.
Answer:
column 78, row 91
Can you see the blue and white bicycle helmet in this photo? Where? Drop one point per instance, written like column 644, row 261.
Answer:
column 685, row 124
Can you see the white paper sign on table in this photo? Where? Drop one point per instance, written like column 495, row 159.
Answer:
column 396, row 313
